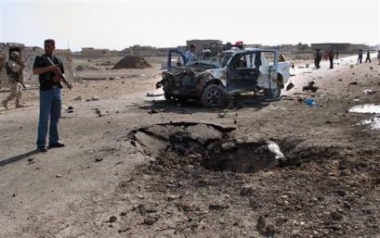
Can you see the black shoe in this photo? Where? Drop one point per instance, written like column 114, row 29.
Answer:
column 42, row 150
column 56, row 145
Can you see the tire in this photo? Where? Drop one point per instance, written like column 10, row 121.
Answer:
column 273, row 93
column 213, row 96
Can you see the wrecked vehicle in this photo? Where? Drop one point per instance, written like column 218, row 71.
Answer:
column 213, row 78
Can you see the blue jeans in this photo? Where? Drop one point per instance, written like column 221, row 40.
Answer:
column 50, row 107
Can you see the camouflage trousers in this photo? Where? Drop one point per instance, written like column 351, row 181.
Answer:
column 15, row 92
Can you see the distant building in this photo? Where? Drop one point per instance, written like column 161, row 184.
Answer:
column 253, row 45
column 213, row 45
column 89, row 52
column 342, row 47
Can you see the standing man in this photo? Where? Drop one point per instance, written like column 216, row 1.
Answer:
column 360, row 56
column 317, row 58
column 331, row 58
column 14, row 68
column 2, row 62
column 50, row 77
column 378, row 56
column 368, row 58
column 190, row 54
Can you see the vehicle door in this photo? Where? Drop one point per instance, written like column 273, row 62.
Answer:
column 268, row 70
column 175, row 59
column 243, row 71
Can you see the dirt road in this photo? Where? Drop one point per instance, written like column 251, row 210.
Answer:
column 138, row 167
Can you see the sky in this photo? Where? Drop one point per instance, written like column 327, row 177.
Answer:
column 116, row 24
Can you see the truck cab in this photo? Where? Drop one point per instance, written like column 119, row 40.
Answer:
column 211, row 79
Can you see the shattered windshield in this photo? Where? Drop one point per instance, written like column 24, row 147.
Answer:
column 212, row 60
column 224, row 58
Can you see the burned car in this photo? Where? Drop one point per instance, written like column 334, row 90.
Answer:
column 212, row 78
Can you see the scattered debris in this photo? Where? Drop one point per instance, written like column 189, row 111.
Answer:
column 31, row 161
column 70, row 109
column 310, row 87
column 98, row 159
column 218, row 207
column 310, row 101
column 98, row 112
column 275, row 149
column 222, row 115
column 247, row 191
column 154, row 111
column 265, row 229
column 154, row 95
column 173, row 197
column 93, row 98
column 369, row 91
column 289, row 86
column 112, row 219
column 261, row 224
column 150, row 220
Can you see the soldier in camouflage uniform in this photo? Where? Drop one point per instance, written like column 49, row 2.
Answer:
column 14, row 68
column 2, row 62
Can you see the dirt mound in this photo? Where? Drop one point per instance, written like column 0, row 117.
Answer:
column 132, row 62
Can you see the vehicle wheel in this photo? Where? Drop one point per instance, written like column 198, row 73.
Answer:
column 273, row 93
column 213, row 96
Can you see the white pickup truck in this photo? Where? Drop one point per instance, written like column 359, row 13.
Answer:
column 211, row 78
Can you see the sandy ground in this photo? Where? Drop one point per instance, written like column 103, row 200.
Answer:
column 137, row 166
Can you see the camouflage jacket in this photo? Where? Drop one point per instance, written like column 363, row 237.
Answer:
column 14, row 70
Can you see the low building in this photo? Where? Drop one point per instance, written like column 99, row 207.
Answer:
column 342, row 47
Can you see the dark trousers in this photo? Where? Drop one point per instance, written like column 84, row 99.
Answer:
column 331, row 62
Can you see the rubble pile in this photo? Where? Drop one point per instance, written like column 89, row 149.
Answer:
column 132, row 62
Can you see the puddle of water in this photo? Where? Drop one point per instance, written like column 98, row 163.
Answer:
column 372, row 123
column 366, row 108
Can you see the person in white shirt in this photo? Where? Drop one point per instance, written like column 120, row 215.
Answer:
column 190, row 54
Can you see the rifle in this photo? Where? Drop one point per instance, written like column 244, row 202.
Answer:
column 22, row 84
column 60, row 74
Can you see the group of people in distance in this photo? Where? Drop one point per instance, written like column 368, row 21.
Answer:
column 329, row 55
